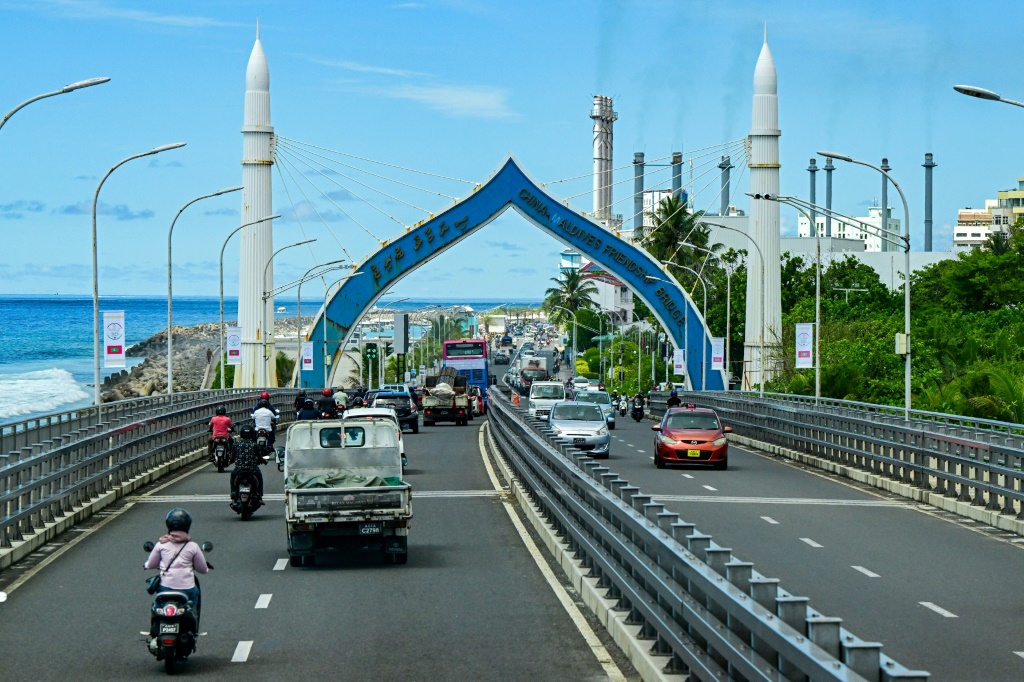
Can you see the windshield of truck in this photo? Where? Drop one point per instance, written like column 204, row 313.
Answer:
column 693, row 420
column 535, row 374
column 355, row 437
column 547, row 392
column 583, row 413
column 597, row 397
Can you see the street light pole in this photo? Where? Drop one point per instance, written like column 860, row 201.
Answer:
column 906, row 271
column 224, row 246
column 266, row 295
column 982, row 93
column 575, row 350
column 298, row 306
column 704, row 345
column 760, row 370
column 95, row 264
column 67, row 88
column 170, row 367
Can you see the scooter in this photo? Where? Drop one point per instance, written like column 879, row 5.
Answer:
column 221, row 453
column 173, row 629
column 248, row 499
column 622, row 406
column 638, row 410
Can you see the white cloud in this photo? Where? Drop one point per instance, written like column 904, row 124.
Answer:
column 364, row 68
column 455, row 100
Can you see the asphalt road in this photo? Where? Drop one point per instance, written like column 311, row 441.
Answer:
column 471, row 603
column 939, row 593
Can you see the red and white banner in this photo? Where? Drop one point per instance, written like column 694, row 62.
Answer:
column 679, row 362
column 717, row 352
column 234, row 345
column 113, row 339
column 805, row 345
column 307, row 356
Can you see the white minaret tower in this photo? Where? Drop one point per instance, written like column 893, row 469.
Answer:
column 257, row 241
column 763, row 225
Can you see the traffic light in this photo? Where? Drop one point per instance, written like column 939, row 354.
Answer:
column 389, row 349
column 371, row 351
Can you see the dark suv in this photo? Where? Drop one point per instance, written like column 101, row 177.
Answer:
column 404, row 406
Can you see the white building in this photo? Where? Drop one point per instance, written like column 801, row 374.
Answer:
column 973, row 227
column 872, row 239
column 612, row 295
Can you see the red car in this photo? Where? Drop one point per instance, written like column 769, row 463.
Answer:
column 691, row 435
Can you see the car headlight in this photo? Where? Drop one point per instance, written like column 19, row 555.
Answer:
column 603, row 431
column 667, row 440
column 720, row 441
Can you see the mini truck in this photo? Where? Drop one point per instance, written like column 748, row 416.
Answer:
column 445, row 399
column 343, row 490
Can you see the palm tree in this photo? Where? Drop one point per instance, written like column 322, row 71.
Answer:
column 573, row 291
column 674, row 223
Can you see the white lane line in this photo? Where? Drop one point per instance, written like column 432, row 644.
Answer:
column 770, row 520
column 589, row 636
column 281, row 565
column 937, row 609
column 264, row 601
column 1019, row 653
column 811, row 542
column 870, row 574
column 707, row 487
column 780, row 500
column 242, row 652
column 630, row 445
column 642, row 453
column 687, row 476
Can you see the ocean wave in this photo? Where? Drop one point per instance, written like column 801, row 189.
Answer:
column 38, row 392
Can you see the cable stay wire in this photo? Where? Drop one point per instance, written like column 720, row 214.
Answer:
column 334, row 203
column 295, row 213
column 307, row 161
column 699, row 221
column 285, row 158
column 296, row 150
column 382, row 163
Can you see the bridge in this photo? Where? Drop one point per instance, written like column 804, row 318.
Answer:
column 842, row 541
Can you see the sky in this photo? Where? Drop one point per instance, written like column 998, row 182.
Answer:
column 449, row 88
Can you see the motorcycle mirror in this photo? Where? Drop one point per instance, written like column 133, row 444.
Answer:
column 207, row 546
column 148, row 546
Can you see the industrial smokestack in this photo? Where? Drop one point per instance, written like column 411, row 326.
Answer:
column 603, row 117
column 928, row 165
column 638, row 193
column 828, row 195
column 813, row 169
column 725, row 166
column 677, row 174
column 885, row 205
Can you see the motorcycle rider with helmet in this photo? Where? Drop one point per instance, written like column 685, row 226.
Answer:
column 265, row 416
column 308, row 412
column 221, row 426
column 673, row 399
column 300, row 400
column 247, row 458
column 179, row 559
column 327, row 405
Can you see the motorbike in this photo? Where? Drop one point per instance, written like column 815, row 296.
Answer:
column 622, row 406
column 637, row 412
column 221, row 453
column 173, row 629
column 280, row 459
column 248, row 499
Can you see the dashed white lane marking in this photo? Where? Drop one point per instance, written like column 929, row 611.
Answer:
column 592, row 640
column 937, row 609
column 630, row 445
column 642, row 453
column 281, row 565
column 264, row 601
column 1019, row 653
column 279, row 497
column 870, row 574
column 242, row 652
column 687, row 476
column 770, row 520
column 707, row 487
column 780, row 500
column 811, row 542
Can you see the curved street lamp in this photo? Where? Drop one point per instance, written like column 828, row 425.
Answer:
column 95, row 267
column 906, row 265
column 982, row 93
column 170, row 368
column 703, row 345
column 267, row 293
column 88, row 83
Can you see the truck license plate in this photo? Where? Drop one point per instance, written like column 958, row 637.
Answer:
column 168, row 628
column 371, row 528
column 693, row 453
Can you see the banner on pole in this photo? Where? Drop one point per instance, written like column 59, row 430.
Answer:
column 113, row 339
column 805, row 345
column 679, row 362
column 234, row 345
column 401, row 333
column 307, row 356
column 718, row 352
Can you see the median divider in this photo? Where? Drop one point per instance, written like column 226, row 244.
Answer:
column 661, row 585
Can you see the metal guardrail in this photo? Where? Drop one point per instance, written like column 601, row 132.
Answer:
column 982, row 468
column 48, row 479
column 16, row 435
column 711, row 613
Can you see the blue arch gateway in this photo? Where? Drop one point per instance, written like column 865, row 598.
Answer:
column 511, row 187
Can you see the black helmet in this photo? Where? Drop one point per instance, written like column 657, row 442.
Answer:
column 263, row 403
column 178, row 519
column 302, row 393
column 308, row 404
column 222, row 410
column 249, row 432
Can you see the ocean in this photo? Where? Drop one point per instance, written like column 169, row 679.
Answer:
column 46, row 342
